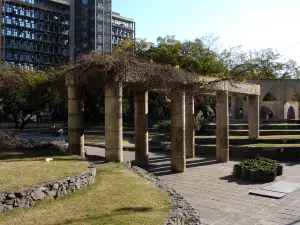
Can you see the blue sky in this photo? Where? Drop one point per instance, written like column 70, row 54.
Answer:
column 254, row 24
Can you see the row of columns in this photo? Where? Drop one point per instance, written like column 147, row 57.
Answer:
column 182, row 125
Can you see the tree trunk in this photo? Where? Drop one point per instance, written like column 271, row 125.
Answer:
column 22, row 126
column 16, row 121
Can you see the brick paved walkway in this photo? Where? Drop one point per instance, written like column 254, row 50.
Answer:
column 218, row 197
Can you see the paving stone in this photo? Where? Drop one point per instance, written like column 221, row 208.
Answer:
column 232, row 219
column 266, row 222
column 215, row 196
column 282, row 186
column 248, row 221
column 261, row 216
column 267, row 193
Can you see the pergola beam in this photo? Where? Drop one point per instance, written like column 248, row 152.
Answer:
column 230, row 86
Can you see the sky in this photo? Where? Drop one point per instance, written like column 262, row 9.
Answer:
column 253, row 24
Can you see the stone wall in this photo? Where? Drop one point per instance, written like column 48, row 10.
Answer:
column 29, row 196
column 182, row 212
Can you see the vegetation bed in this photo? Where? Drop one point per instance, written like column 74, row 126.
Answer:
column 21, row 168
column 258, row 169
column 118, row 197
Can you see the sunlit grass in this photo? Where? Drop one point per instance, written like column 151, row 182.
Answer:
column 20, row 168
column 118, row 197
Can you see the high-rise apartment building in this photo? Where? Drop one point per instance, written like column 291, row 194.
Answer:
column 38, row 34
column 122, row 28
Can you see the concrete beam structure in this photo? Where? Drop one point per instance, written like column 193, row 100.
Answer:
column 189, row 126
column 178, row 160
column 182, row 118
column 113, row 122
column 230, row 86
column 141, row 127
column 76, row 119
column 222, row 127
column 253, row 116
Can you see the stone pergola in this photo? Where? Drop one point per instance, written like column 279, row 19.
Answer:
column 182, row 117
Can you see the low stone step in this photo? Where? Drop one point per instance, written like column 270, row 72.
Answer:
column 278, row 153
column 244, row 141
column 265, row 132
column 262, row 126
column 264, row 121
column 261, row 132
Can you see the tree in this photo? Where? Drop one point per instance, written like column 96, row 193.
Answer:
column 203, row 56
column 25, row 94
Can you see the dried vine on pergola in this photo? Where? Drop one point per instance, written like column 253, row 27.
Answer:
column 134, row 73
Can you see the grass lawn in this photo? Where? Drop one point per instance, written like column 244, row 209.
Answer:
column 25, row 167
column 155, row 137
column 100, row 140
column 118, row 197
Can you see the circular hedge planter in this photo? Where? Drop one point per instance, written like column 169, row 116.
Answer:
column 258, row 169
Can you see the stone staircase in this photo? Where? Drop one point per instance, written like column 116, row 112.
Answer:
column 278, row 139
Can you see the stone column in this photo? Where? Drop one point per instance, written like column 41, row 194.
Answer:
column 245, row 108
column 141, row 127
column 233, row 107
column 189, row 126
column 113, row 122
column 238, row 106
column 253, row 116
column 178, row 161
column 76, row 119
column 222, row 127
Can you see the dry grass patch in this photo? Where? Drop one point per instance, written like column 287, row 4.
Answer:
column 118, row 197
column 21, row 168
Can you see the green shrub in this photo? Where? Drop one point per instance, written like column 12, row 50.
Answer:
column 200, row 123
column 164, row 125
column 259, row 164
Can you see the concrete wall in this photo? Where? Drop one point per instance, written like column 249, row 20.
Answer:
column 291, row 106
column 282, row 90
column 276, row 107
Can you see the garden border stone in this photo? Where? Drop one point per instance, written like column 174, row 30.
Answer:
column 182, row 212
column 27, row 197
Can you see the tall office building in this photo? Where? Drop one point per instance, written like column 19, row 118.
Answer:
column 35, row 33
column 92, row 26
column 38, row 34
column 97, row 28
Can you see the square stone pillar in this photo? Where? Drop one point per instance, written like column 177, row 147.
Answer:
column 238, row 100
column 178, row 161
column 253, row 116
column 141, row 127
column 113, row 122
column 245, row 107
column 76, row 119
column 222, row 126
column 189, row 126
column 233, row 107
